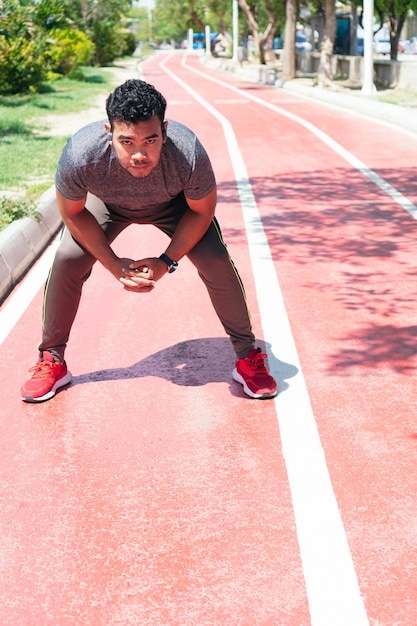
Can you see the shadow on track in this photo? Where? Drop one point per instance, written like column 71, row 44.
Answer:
column 191, row 363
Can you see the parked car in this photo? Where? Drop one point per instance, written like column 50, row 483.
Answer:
column 278, row 43
column 302, row 44
column 410, row 46
column 382, row 46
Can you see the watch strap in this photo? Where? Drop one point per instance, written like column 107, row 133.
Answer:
column 172, row 265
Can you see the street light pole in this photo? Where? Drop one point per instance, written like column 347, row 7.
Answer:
column 208, row 40
column 368, row 88
column 235, row 29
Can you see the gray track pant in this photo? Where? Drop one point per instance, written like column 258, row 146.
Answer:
column 72, row 266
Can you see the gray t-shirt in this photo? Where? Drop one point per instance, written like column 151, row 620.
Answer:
column 88, row 164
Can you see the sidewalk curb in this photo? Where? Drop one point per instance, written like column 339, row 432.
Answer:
column 371, row 107
column 23, row 241
column 392, row 113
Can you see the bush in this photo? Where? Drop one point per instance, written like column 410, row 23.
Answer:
column 68, row 50
column 109, row 40
column 11, row 210
column 105, row 41
column 128, row 43
column 22, row 67
column 22, row 46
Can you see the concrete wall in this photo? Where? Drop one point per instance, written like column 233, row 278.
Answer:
column 387, row 73
column 22, row 242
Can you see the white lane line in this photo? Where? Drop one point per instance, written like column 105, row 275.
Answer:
column 396, row 195
column 14, row 308
column 231, row 101
column 332, row 588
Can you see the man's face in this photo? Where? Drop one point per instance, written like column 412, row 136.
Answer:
column 138, row 146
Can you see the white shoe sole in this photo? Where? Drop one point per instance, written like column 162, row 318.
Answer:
column 65, row 380
column 238, row 378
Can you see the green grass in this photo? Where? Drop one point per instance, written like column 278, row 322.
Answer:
column 402, row 97
column 64, row 95
column 28, row 159
column 13, row 209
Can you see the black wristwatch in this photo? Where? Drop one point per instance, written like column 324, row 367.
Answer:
column 172, row 265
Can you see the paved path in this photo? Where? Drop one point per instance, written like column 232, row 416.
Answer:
column 152, row 491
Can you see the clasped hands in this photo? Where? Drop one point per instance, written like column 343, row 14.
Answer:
column 140, row 276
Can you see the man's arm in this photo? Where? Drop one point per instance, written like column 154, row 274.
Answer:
column 192, row 226
column 88, row 233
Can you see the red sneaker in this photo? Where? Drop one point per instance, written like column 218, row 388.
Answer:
column 47, row 376
column 252, row 373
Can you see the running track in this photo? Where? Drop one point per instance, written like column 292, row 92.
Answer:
column 151, row 491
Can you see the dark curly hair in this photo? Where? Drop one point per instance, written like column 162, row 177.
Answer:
column 135, row 101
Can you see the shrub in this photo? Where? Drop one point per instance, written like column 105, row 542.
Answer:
column 22, row 66
column 68, row 50
column 105, row 42
column 109, row 41
column 11, row 210
column 128, row 42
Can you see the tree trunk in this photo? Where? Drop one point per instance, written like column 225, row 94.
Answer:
column 353, row 30
column 252, row 23
column 324, row 72
column 288, row 56
column 396, row 26
column 259, row 40
column 263, row 41
column 330, row 20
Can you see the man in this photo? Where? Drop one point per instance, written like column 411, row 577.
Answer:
column 145, row 172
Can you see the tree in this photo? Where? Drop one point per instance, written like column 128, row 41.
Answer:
column 395, row 12
column 22, row 48
column 262, row 21
column 41, row 39
column 52, row 14
column 140, row 23
column 101, row 21
column 171, row 21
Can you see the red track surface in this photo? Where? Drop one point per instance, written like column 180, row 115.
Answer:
column 152, row 491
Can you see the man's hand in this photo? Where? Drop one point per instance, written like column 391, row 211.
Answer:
column 141, row 276
column 138, row 281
